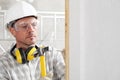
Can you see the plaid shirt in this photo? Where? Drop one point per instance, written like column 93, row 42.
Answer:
column 10, row 69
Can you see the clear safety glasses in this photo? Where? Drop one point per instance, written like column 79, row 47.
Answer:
column 24, row 26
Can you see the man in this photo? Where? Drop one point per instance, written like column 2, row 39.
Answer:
column 23, row 61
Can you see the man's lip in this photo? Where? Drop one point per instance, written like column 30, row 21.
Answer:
column 31, row 36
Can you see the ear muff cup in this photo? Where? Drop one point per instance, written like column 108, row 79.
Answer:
column 20, row 56
column 30, row 53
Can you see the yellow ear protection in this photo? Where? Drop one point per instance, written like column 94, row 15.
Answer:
column 24, row 56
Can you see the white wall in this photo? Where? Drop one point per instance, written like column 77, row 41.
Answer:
column 94, row 40
column 74, row 39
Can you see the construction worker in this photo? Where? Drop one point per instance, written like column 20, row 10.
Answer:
column 26, row 60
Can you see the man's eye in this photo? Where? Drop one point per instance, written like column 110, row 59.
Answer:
column 34, row 24
column 25, row 26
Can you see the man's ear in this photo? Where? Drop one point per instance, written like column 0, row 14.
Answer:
column 12, row 30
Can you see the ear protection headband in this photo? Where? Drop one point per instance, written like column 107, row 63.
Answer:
column 24, row 56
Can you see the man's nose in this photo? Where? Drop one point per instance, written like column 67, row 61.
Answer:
column 30, row 27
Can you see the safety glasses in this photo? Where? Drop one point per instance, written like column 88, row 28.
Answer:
column 24, row 26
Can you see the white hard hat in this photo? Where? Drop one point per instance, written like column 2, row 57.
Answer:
column 20, row 10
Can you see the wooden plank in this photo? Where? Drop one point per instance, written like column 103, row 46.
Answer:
column 67, row 38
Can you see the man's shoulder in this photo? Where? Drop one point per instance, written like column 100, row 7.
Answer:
column 5, row 56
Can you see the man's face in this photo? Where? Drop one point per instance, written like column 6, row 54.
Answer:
column 25, row 31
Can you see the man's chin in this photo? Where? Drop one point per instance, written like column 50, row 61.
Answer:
column 31, row 42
